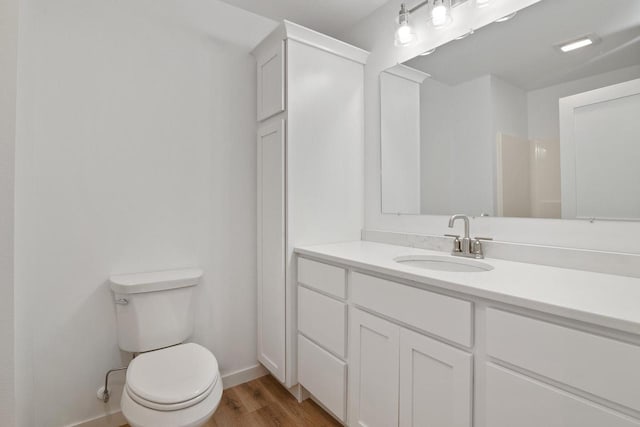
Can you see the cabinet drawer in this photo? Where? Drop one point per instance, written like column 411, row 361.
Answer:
column 447, row 317
column 516, row 400
column 601, row 366
column 324, row 277
column 323, row 319
column 323, row 375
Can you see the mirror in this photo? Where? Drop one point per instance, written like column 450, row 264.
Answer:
column 504, row 122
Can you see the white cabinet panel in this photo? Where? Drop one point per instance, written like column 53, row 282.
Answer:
column 441, row 315
column 515, row 400
column 271, row 248
column 323, row 375
column 324, row 277
column 601, row 366
column 435, row 383
column 400, row 142
column 323, row 319
column 374, row 370
column 271, row 83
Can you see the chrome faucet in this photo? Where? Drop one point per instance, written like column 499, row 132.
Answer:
column 466, row 247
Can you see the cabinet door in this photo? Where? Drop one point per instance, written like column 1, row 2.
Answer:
column 435, row 383
column 373, row 367
column 271, row 248
column 271, row 83
column 513, row 399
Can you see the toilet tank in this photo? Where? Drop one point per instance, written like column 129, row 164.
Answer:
column 155, row 309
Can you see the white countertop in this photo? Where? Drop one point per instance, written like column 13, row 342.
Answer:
column 603, row 299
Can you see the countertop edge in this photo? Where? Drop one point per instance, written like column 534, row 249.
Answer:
column 557, row 310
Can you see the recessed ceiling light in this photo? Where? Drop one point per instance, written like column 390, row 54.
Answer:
column 506, row 18
column 465, row 35
column 428, row 52
column 584, row 41
column 576, row 44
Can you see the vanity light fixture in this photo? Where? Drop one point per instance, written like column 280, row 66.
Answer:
column 440, row 16
column 576, row 44
column 441, row 13
column 405, row 34
column 506, row 17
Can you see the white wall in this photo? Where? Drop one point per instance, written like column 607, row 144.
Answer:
column 472, row 147
column 136, row 151
column 459, row 128
column 8, row 71
column 542, row 104
column 375, row 33
column 436, row 156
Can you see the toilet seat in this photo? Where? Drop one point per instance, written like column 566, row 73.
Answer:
column 172, row 378
column 176, row 383
column 169, row 406
column 194, row 416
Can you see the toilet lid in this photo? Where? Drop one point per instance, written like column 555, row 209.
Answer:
column 172, row 375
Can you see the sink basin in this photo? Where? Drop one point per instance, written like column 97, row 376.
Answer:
column 444, row 263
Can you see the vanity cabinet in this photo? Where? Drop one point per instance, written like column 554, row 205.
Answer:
column 385, row 352
column 514, row 399
column 396, row 376
column 374, row 371
column 402, row 378
column 322, row 334
column 310, row 116
column 435, row 383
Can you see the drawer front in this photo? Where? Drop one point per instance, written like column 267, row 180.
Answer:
column 323, row 277
column 323, row 375
column 444, row 316
column 601, row 366
column 323, row 319
column 516, row 400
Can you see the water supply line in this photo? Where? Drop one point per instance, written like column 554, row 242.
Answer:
column 103, row 394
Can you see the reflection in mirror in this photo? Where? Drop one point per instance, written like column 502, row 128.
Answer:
column 538, row 117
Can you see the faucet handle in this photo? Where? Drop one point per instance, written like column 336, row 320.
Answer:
column 457, row 247
column 476, row 246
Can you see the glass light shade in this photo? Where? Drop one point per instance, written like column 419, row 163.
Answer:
column 405, row 35
column 441, row 13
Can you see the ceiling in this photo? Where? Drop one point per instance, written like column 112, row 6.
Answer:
column 332, row 17
column 522, row 51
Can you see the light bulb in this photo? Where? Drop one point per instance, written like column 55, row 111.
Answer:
column 440, row 15
column 405, row 35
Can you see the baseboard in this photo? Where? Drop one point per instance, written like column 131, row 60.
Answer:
column 242, row 376
column 230, row 379
column 115, row 419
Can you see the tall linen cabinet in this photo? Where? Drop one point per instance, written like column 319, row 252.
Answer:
column 310, row 170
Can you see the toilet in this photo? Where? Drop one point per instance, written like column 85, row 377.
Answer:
column 169, row 383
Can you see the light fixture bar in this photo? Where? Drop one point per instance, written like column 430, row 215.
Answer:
column 418, row 6
column 577, row 44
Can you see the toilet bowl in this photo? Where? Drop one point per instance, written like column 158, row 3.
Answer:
column 178, row 386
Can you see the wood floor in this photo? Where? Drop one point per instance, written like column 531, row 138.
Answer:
column 266, row 403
